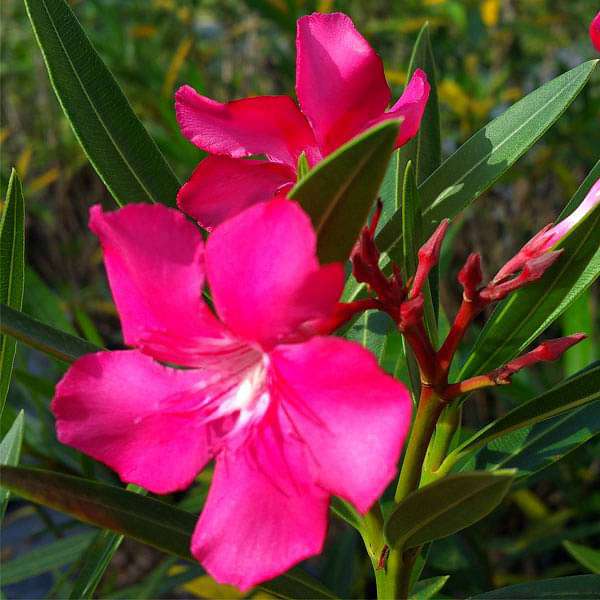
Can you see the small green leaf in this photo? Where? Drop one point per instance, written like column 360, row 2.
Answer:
column 428, row 588
column 588, row 557
column 488, row 154
column 60, row 345
column 579, row 587
column 569, row 394
column 519, row 320
column 120, row 149
column 303, row 167
column 45, row 558
column 340, row 191
column 12, row 267
column 10, row 451
column 445, row 507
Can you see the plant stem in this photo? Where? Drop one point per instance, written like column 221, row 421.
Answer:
column 428, row 412
column 444, row 433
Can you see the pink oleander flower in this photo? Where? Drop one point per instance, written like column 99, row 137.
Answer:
column 595, row 31
column 539, row 245
column 290, row 417
column 341, row 90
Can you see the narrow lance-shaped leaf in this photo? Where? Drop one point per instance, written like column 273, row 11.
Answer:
column 525, row 314
column 445, row 507
column 56, row 343
column 10, row 452
column 145, row 519
column 45, row 558
column 411, row 240
column 341, row 190
column 571, row 393
column 534, row 448
column 150, row 521
column 12, row 267
column 425, row 149
column 120, row 149
column 488, row 154
column 584, row 587
column 94, row 561
column 588, row 557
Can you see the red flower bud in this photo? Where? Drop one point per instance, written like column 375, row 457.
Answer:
column 547, row 351
column 533, row 270
column 470, row 276
column 428, row 256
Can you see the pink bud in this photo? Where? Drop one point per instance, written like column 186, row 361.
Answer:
column 428, row 256
column 550, row 235
column 546, row 352
column 533, row 270
column 595, row 32
column 470, row 276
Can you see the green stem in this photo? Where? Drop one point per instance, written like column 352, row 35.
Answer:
column 444, row 433
column 428, row 412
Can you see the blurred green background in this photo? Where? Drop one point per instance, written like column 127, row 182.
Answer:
column 489, row 54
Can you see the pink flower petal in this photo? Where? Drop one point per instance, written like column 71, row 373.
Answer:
column 595, row 32
column 221, row 187
column 340, row 81
column 556, row 233
column 258, row 521
column 410, row 106
column 270, row 125
column 353, row 417
column 121, row 409
column 262, row 266
column 154, row 259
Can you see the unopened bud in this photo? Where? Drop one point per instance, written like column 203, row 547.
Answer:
column 470, row 276
column 533, row 270
column 546, row 352
column 428, row 256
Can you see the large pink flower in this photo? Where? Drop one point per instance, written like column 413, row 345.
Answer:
column 342, row 91
column 290, row 417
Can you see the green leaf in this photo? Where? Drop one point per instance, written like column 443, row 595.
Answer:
column 425, row 149
column 10, row 451
column 60, row 345
column 585, row 556
column 531, row 449
column 116, row 143
column 93, row 562
column 147, row 520
column 519, row 320
column 296, row 584
column 488, row 154
column 96, row 558
column 445, row 507
column 581, row 193
column 45, row 558
column 579, row 317
column 12, row 267
column 428, row 588
column 340, row 191
column 569, row 394
column 579, row 587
